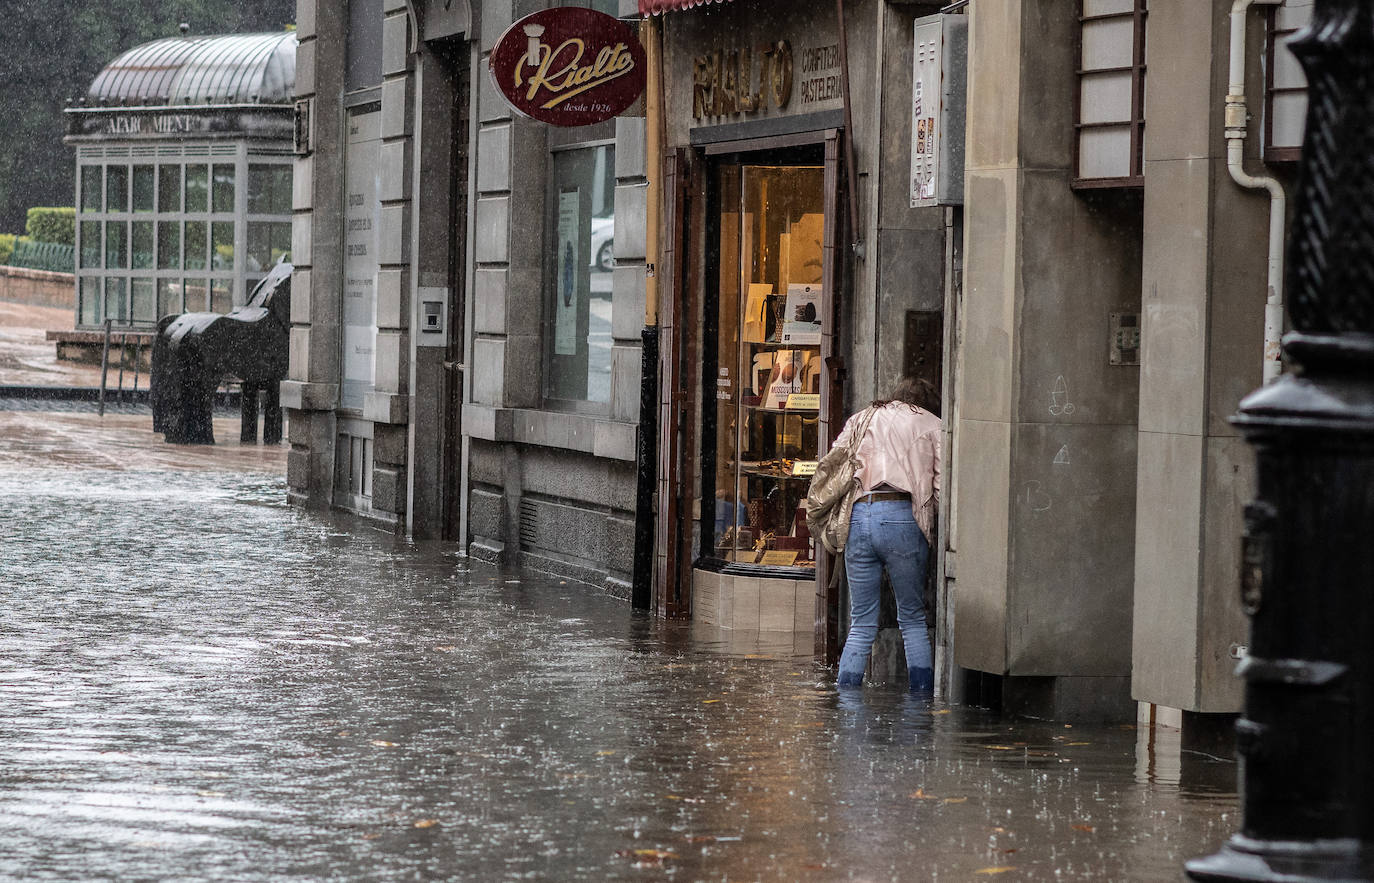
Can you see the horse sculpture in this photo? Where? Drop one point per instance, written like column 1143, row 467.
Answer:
column 193, row 352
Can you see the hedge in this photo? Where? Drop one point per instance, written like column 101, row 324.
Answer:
column 7, row 241
column 52, row 224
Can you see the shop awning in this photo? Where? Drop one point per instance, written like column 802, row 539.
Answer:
column 654, row 7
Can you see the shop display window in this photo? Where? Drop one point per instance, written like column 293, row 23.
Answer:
column 768, row 362
column 578, row 306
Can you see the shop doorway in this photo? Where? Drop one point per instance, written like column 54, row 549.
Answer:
column 759, row 317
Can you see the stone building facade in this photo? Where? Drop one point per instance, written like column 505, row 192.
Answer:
column 457, row 429
column 1098, row 489
column 1093, row 303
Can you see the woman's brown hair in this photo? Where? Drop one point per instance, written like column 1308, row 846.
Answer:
column 916, row 392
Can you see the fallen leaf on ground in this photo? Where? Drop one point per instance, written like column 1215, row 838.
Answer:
column 373, row 836
column 345, row 732
column 955, row 800
column 648, row 855
column 671, row 797
column 1006, row 851
column 700, row 838
column 382, row 743
column 999, row 869
column 1088, row 828
column 920, row 794
column 604, row 753
column 709, row 701
column 426, row 823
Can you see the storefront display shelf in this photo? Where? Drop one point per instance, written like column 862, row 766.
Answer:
column 799, row 412
column 778, row 475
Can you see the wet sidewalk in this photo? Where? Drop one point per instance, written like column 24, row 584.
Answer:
column 200, row 682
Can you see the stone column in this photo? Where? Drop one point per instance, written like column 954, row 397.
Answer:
column 1045, row 434
column 1203, row 292
column 387, row 404
column 312, row 387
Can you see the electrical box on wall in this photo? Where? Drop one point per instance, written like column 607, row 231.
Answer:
column 431, row 317
column 1125, row 339
column 939, row 86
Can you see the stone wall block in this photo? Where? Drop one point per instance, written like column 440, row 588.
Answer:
column 392, row 361
column 630, row 208
column 302, row 183
column 628, row 284
column 489, row 301
column 298, row 349
column 390, row 444
column 398, row 115
column 305, row 18
column 494, row 159
column 524, row 370
column 305, row 67
column 298, row 468
column 393, row 234
column 300, row 296
column 389, row 489
column 493, row 234
column 396, row 41
column 491, row 107
column 625, row 371
column 393, row 297
column 300, row 239
column 488, row 371
column 629, row 147
column 395, row 171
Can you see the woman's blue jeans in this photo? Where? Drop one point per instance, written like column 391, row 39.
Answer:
column 884, row 535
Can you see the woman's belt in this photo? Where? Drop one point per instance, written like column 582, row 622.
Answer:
column 880, row 496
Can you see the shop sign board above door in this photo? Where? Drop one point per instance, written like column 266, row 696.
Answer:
column 569, row 66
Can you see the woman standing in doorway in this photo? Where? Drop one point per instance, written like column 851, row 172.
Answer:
column 890, row 526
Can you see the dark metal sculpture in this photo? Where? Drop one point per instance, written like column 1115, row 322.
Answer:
column 1306, row 739
column 193, row 352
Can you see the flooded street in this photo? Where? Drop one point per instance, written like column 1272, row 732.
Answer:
column 200, row 682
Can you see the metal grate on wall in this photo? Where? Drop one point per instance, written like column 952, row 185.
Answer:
column 529, row 522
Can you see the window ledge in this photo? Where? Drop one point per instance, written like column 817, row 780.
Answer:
column 385, row 407
column 598, row 436
column 300, row 395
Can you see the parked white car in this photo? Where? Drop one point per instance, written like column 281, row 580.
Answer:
column 603, row 243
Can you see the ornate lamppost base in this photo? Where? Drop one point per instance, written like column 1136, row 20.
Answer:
column 1244, row 858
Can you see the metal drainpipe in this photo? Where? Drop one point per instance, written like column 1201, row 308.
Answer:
column 850, row 171
column 1237, row 120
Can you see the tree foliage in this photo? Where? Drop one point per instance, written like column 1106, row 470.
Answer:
column 54, row 49
column 52, row 224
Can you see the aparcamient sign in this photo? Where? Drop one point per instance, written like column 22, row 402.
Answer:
column 569, row 66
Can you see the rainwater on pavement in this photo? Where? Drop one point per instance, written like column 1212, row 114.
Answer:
column 199, row 682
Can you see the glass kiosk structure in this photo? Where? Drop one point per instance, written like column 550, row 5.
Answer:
column 184, row 152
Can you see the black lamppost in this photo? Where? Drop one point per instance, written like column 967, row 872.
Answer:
column 1306, row 739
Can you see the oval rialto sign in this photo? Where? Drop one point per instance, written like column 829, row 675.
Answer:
column 569, row 66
